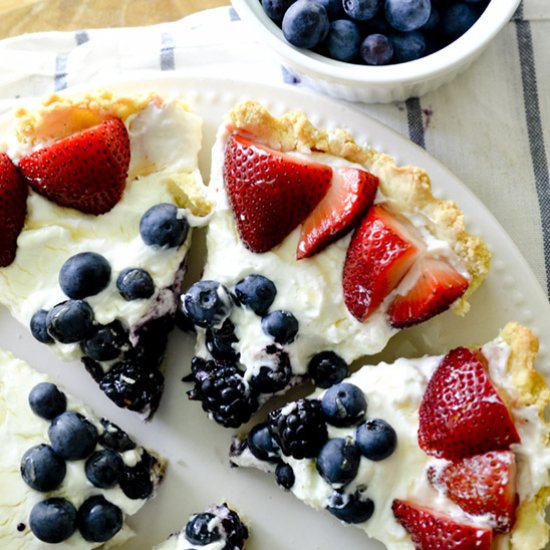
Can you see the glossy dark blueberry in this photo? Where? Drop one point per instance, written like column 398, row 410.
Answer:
column 256, row 292
column 457, row 18
column 135, row 283
column 376, row 439
column 376, row 49
column 183, row 321
column 327, row 368
column 198, row 530
column 207, row 303
column 342, row 41
column 72, row 436
column 135, row 481
column 275, row 9
column 39, row 327
column 407, row 15
column 361, row 10
column 71, row 321
column 408, row 46
column 47, row 401
column 162, row 226
column 53, row 520
column 338, row 461
column 103, row 468
column 275, row 372
column 281, row 325
column 305, row 24
column 42, row 469
column 284, row 474
column 106, row 343
column 262, row 444
column 114, row 438
column 99, row 520
column 219, row 342
column 351, row 508
column 84, row 274
column 344, row 404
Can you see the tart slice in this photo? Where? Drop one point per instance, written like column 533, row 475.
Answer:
column 437, row 452
column 319, row 251
column 69, row 478
column 108, row 190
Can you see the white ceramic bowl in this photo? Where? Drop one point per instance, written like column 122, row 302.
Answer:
column 380, row 84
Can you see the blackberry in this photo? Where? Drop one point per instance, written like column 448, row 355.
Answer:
column 223, row 391
column 114, row 438
column 300, row 429
column 274, row 375
column 235, row 530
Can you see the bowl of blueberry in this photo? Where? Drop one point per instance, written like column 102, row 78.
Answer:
column 376, row 50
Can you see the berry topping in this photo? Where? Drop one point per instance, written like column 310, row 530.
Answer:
column 284, row 475
column 461, row 413
column 115, row 438
column 13, row 209
column 376, row 439
column 351, row 194
column 106, row 343
column 281, row 325
column 361, row 10
column 86, row 171
column 163, row 226
column 275, row 9
column 457, row 18
column 342, row 41
column 376, row 49
column 85, row 274
column 72, row 436
column 299, row 428
column 135, row 481
column 271, row 193
column 326, row 369
column 235, row 532
column 207, row 303
column 135, row 283
column 42, row 469
column 262, row 444
column 344, row 405
column 275, row 372
column 99, row 520
column 219, row 342
column 407, row 15
column 408, row 46
column 70, row 321
column 351, row 508
column 39, row 327
column 431, row 530
column 201, row 529
column 338, row 461
column 305, row 24
column 47, row 401
column 53, row 520
column 103, row 468
column 256, row 292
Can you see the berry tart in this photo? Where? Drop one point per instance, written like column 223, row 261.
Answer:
column 432, row 453
column 99, row 197
column 319, row 251
column 218, row 528
column 69, row 479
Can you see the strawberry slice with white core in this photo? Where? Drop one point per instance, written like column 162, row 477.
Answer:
column 437, row 286
column 270, row 192
column 482, row 485
column 461, row 413
column 350, row 195
column 383, row 248
column 431, row 530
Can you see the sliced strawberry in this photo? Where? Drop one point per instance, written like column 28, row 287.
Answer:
column 351, row 194
column 461, row 413
column 482, row 485
column 383, row 248
column 431, row 530
column 271, row 193
column 86, row 171
column 437, row 286
column 13, row 209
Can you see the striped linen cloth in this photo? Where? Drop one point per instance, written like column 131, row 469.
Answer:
column 490, row 126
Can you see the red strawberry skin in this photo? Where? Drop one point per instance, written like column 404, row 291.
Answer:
column 270, row 193
column 482, row 485
column 13, row 209
column 431, row 530
column 461, row 413
column 383, row 248
column 86, row 171
column 351, row 194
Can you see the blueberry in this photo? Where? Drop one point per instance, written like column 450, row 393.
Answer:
column 71, row 321
column 72, row 436
column 256, row 292
column 276, row 9
column 115, row 438
column 42, row 469
column 408, row 46
column 350, row 508
column 342, row 41
column 361, row 10
column 163, row 226
column 275, row 372
column 98, row 520
column 39, row 327
column 47, row 401
column 135, row 283
column 207, row 303
column 326, row 369
column 284, row 475
column 335, row 9
column 219, row 342
column 343, row 404
column 407, row 15
column 84, row 274
column 376, row 49
column 338, row 461
column 457, row 18
column 103, row 468
column 433, row 21
column 53, row 520
column 201, row 530
column 376, row 439
column 305, row 24
column 106, row 343
column 183, row 321
column 135, row 482
column 262, row 444
column 281, row 325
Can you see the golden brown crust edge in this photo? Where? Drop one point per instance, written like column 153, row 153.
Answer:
column 408, row 187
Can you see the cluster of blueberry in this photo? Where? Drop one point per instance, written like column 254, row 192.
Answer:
column 74, row 438
column 301, row 432
column 374, row 32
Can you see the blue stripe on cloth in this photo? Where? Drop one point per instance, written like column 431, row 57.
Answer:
column 167, row 60
column 81, row 37
column 233, row 15
column 415, row 122
column 60, row 77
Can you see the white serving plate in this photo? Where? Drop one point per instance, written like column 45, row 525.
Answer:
column 199, row 472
